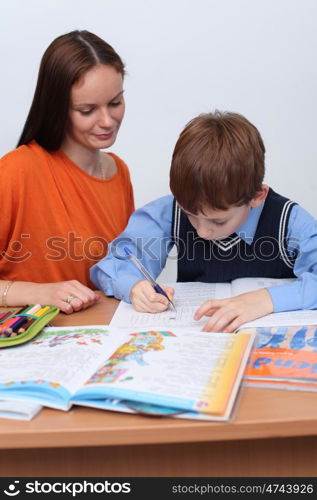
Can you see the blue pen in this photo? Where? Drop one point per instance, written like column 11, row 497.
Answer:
column 147, row 275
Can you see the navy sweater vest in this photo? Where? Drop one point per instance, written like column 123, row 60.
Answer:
column 231, row 258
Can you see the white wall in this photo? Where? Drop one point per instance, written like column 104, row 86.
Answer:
column 255, row 57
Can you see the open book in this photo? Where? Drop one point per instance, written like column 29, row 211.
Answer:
column 283, row 358
column 189, row 296
column 193, row 375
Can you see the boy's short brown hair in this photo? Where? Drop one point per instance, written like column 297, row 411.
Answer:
column 218, row 162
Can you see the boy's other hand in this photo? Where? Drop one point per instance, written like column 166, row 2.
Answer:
column 229, row 314
column 145, row 299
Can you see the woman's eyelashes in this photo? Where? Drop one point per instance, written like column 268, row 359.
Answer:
column 115, row 103
column 86, row 112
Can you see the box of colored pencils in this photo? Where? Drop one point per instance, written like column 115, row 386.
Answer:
column 21, row 324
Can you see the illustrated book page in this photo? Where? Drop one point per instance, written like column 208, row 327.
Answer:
column 51, row 367
column 174, row 368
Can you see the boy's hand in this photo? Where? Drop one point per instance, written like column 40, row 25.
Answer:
column 145, row 299
column 228, row 314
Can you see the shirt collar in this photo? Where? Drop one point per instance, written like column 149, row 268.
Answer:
column 248, row 228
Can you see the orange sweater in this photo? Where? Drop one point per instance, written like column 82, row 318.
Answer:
column 56, row 220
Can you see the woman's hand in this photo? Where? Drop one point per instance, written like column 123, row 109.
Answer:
column 228, row 314
column 69, row 296
column 145, row 299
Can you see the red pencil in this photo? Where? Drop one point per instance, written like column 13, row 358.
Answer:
column 4, row 316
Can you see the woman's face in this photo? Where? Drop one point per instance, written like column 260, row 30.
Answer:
column 97, row 108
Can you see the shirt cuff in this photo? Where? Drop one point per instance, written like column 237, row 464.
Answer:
column 122, row 288
column 119, row 288
column 286, row 297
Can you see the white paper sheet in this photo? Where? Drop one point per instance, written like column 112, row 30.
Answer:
column 18, row 410
column 289, row 318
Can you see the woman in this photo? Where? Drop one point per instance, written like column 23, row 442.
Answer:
column 62, row 200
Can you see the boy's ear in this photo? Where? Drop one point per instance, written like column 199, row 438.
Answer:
column 259, row 196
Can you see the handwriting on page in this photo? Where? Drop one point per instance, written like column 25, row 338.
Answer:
column 183, row 316
column 188, row 297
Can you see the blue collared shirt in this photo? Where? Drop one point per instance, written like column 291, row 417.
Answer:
column 148, row 235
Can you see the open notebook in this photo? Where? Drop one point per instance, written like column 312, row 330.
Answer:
column 189, row 296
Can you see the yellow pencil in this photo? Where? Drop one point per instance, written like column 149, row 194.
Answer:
column 41, row 311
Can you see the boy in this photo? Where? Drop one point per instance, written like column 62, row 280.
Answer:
column 226, row 224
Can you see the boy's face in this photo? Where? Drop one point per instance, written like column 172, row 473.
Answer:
column 218, row 224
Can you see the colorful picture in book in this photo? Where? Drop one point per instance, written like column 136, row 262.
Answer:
column 285, row 357
column 133, row 350
column 83, row 336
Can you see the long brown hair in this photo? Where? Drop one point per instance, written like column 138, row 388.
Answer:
column 218, row 162
column 66, row 59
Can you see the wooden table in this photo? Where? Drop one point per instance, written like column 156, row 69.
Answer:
column 274, row 433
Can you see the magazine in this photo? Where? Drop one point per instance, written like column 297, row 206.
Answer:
column 283, row 357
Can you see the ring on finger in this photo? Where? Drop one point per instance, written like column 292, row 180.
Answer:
column 69, row 298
